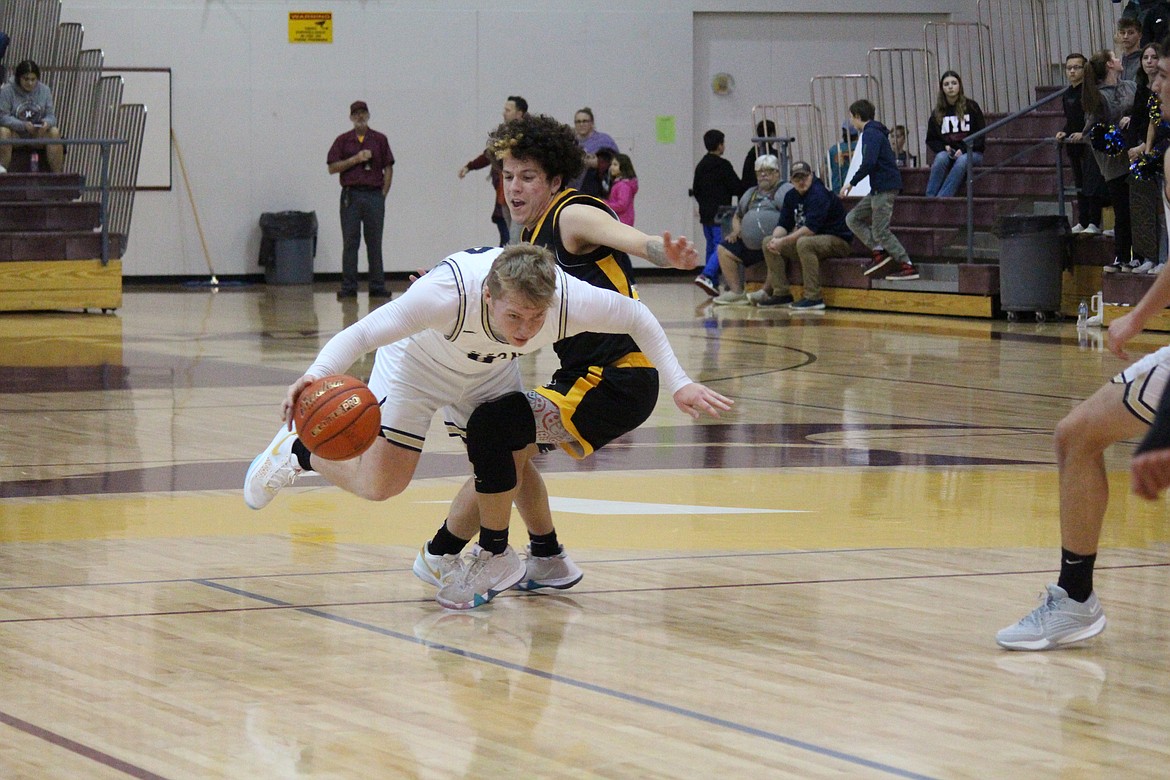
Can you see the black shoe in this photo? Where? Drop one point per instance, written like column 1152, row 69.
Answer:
column 343, row 294
column 384, row 294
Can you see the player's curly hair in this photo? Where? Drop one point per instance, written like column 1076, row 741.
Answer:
column 549, row 142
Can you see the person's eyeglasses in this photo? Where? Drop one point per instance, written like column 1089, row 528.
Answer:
column 582, row 121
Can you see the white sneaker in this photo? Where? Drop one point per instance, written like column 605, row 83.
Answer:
column 3, row 169
column 437, row 569
column 1156, row 269
column 556, row 571
column 1143, row 267
column 272, row 470
column 1108, row 232
column 484, row 577
column 1077, row 228
column 1091, row 230
column 1057, row 621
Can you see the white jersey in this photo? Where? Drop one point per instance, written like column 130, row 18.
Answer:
column 443, row 317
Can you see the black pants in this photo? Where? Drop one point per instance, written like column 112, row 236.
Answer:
column 1122, row 231
column 362, row 209
column 1089, row 182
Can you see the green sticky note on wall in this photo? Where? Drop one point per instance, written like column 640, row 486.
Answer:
column 664, row 129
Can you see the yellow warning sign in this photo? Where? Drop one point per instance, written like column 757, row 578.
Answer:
column 308, row 27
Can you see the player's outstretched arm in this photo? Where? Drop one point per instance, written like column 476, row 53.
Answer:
column 584, row 228
column 1124, row 328
column 695, row 399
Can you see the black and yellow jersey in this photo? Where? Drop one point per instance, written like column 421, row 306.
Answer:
column 604, row 267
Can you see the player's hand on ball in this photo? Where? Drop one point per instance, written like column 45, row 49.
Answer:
column 694, row 399
column 290, row 398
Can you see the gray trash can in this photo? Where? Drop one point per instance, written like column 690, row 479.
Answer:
column 288, row 245
column 1032, row 253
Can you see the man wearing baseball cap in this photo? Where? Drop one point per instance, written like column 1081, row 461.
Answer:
column 365, row 163
column 811, row 228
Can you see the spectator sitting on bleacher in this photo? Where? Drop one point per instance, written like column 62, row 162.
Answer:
column 26, row 111
column 955, row 117
column 1107, row 99
column 902, row 156
column 811, row 228
column 840, row 154
column 1091, row 192
column 756, row 216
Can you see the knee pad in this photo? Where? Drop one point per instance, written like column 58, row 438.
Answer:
column 495, row 430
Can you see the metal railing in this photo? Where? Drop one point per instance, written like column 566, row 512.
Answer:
column 983, row 171
column 102, row 190
column 797, row 131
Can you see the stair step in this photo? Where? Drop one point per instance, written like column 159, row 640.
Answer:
column 40, row 186
column 1024, row 181
column 63, row 245
column 51, row 215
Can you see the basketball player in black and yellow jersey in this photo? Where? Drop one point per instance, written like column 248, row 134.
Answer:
column 605, row 386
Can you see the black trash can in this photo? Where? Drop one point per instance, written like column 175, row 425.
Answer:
column 1032, row 252
column 288, row 245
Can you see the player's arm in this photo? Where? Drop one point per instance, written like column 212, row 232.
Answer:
column 584, row 228
column 604, row 311
column 432, row 302
column 1150, row 469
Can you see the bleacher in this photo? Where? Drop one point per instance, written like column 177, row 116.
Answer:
column 56, row 250
column 1014, row 53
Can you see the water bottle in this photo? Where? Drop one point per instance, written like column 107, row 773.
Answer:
column 1082, row 314
column 35, row 162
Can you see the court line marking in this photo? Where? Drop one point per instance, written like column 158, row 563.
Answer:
column 587, row 686
column 85, row 751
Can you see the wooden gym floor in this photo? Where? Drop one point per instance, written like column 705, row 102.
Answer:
column 806, row 588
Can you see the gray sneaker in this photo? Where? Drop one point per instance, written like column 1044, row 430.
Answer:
column 730, row 298
column 271, row 470
column 1057, row 621
column 556, row 571
column 437, row 569
column 484, row 577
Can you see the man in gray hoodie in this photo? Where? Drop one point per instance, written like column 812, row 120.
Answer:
column 870, row 218
column 26, row 111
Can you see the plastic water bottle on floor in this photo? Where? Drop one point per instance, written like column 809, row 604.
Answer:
column 1082, row 314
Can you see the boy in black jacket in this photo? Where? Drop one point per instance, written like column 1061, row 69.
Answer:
column 715, row 184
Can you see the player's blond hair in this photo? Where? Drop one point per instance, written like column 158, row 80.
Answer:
column 527, row 270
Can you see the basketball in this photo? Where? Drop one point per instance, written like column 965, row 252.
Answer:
column 337, row 417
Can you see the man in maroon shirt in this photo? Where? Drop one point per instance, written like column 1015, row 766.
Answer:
column 363, row 158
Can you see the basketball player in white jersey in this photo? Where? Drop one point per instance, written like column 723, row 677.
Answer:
column 451, row 342
column 1122, row 409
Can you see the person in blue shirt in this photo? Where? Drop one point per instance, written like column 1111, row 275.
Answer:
column 811, row 228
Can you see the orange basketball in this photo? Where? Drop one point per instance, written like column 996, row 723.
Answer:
column 337, row 417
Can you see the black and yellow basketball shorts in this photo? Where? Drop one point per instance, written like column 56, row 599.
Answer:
column 599, row 404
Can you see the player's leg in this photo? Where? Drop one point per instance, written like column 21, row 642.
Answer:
column 411, row 389
column 1070, row 611
column 500, row 439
